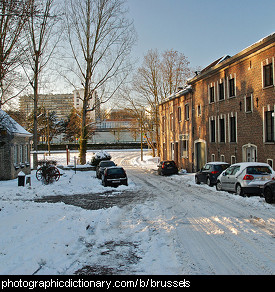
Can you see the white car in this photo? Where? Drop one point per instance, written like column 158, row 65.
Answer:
column 245, row 178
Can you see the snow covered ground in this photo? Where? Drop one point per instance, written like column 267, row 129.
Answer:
column 179, row 228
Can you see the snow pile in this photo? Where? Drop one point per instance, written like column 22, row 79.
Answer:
column 148, row 162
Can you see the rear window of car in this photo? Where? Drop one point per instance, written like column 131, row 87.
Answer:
column 116, row 171
column 107, row 163
column 258, row 170
column 169, row 163
column 221, row 167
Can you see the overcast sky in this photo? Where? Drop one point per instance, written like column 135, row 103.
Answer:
column 203, row 30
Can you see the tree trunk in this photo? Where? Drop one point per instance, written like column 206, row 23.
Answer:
column 35, row 96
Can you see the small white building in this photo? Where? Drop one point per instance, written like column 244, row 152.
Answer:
column 15, row 148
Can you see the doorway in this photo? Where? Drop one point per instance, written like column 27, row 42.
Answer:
column 200, row 154
column 249, row 153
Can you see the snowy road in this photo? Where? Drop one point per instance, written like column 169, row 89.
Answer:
column 197, row 230
column 156, row 225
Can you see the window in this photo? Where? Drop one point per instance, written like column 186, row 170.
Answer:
column 171, row 122
column 206, row 167
column 221, row 91
column 222, row 158
column 212, row 131
column 212, row 94
column 269, row 126
column 26, row 153
column 222, row 130
column 233, row 129
column 248, row 103
column 270, row 162
column 268, row 75
column 184, row 145
column 163, row 124
column 235, row 170
column 15, row 154
column 179, row 113
column 233, row 159
column 187, row 112
column 212, row 157
column 21, row 153
column 231, row 87
column 199, row 110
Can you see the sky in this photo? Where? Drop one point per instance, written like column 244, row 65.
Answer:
column 203, row 30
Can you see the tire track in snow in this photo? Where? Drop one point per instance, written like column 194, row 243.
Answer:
column 218, row 244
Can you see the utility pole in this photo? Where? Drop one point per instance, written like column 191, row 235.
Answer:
column 141, row 138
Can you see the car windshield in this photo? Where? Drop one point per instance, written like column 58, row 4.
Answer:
column 116, row 171
column 258, row 170
column 107, row 163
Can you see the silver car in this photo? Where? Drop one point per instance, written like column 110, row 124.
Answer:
column 245, row 178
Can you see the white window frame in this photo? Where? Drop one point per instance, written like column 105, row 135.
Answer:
column 229, row 128
column 233, row 157
column 27, row 153
column 186, row 113
column 221, row 81
column 212, row 157
column 271, row 160
column 21, row 154
column 184, row 138
column 267, row 108
column 215, row 134
column 231, row 76
column 222, row 116
column 199, row 110
column 15, row 154
column 245, row 103
column 264, row 63
column 209, row 95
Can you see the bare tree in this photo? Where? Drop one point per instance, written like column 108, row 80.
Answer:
column 148, row 83
column 174, row 70
column 13, row 16
column 101, row 38
column 157, row 78
column 41, row 41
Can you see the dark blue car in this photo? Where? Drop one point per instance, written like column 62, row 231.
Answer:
column 269, row 192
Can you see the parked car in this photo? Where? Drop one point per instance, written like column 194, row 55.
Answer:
column 269, row 191
column 102, row 165
column 114, row 176
column 209, row 173
column 167, row 167
column 245, row 178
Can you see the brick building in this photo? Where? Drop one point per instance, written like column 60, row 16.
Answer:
column 226, row 113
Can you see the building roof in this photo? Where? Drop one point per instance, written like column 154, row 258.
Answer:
column 11, row 125
column 180, row 93
column 227, row 60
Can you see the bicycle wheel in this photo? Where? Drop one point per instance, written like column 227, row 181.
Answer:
column 39, row 175
column 55, row 174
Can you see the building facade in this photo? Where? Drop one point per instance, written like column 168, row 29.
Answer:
column 62, row 104
column 94, row 103
column 14, row 148
column 228, row 111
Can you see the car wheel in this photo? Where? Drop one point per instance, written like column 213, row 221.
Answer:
column 208, row 181
column 218, row 186
column 269, row 198
column 197, row 180
column 239, row 190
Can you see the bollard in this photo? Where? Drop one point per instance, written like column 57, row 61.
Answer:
column 28, row 180
column 21, row 179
